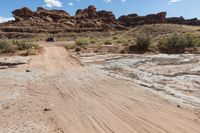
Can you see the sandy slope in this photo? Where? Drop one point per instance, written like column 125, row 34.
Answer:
column 59, row 95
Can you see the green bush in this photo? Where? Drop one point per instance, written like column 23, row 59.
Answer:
column 178, row 43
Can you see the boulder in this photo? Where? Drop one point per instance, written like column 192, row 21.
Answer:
column 23, row 13
column 51, row 39
column 56, row 15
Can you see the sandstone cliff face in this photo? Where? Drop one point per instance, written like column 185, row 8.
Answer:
column 134, row 19
column 23, row 13
column 28, row 22
column 181, row 20
column 54, row 15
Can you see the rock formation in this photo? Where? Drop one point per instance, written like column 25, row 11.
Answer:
column 54, row 15
column 134, row 19
column 28, row 22
column 23, row 13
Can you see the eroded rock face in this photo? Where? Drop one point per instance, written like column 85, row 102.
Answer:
column 193, row 21
column 79, row 12
column 23, row 13
column 156, row 18
column 176, row 20
column 106, row 16
column 91, row 11
column 55, row 15
column 181, row 20
column 41, row 13
column 134, row 19
column 28, row 22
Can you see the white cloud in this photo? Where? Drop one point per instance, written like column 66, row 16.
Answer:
column 174, row 1
column 53, row 3
column 2, row 19
column 70, row 4
column 107, row 1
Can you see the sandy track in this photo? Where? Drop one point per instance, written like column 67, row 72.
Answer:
column 61, row 96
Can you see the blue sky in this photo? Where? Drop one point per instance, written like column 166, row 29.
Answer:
column 186, row 8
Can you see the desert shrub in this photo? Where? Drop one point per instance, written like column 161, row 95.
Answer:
column 115, row 38
column 178, row 43
column 140, row 45
column 24, row 44
column 77, row 49
column 82, row 41
column 12, row 46
column 71, row 46
column 124, row 41
column 92, row 40
column 108, row 42
column 125, row 44
column 197, row 42
column 143, row 42
column 119, row 41
column 190, row 40
column 7, row 47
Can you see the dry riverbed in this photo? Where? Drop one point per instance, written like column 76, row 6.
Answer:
column 171, row 76
column 54, row 92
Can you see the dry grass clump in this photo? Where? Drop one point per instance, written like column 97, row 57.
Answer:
column 85, row 41
column 80, row 43
column 124, row 41
column 13, row 46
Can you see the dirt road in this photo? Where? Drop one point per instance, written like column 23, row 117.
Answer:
column 58, row 95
